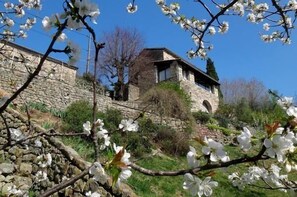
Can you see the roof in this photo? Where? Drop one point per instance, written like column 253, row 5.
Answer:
column 183, row 61
column 14, row 45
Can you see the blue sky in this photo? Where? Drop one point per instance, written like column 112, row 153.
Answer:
column 238, row 54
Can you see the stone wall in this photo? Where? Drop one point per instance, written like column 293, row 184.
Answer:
column 56, row 86
column 134, row 109
column 198, row 101
column 20, row 164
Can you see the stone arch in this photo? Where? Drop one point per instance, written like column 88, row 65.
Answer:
column 207, row 106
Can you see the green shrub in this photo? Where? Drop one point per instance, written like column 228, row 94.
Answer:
column 76, row 114
column 112, row 118
column 168, row 100
column 202, row 117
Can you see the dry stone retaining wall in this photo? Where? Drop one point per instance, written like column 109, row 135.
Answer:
column 19, row 164
column 53, row 93
column 134, row 109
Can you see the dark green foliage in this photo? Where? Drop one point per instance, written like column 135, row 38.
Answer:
column 211, row 71
column 243, row 111
column 76, row 114
column 112, row 118
column 201, row 117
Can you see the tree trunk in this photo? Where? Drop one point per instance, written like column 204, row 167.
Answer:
column 120, row 83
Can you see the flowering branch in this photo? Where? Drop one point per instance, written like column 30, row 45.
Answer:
column 208, row 166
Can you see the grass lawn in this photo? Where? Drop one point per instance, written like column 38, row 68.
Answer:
column 148, row 186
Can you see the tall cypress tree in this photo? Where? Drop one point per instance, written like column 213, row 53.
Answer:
column 211, row 71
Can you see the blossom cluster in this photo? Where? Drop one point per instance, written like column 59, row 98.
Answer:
column 100, row 132
column 74, row 15
column 279, row 143
column 255, row 173
column 255, row 13
column 121, row 161
column 15, row 11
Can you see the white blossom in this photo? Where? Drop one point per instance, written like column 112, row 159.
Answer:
column 292, row 4
column 292, row 111
column 285, row 102
column 9, row 22
column 206, row 187
column 251, row 17
column 62, row 37
column 98, row 172
column 266, row 26
column 49, row 22
column 129, row 125
column 224, row 27
column 192, row 183
column 131, row 8
column 86, row 8
column 198, row 187
column 124, row 175
column 244, row 139
column 211, row 30
column 125, row 157
column 215, row 150
column 8, row 5
column 87, row 128
column 278, row 146
column 191, row 54
column 160, row 2
column 74, row 54
column 191, row 158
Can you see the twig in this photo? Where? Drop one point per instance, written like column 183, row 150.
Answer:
column 63, row 185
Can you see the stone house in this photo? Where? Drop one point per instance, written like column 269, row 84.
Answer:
column 155, row 65
column 56, row 85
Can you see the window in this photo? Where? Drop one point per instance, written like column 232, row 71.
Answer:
column 164, row 74
column 186, row 74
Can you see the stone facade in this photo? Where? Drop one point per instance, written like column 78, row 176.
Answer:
column 56, row 86
column 19, row 164
column 160, row 64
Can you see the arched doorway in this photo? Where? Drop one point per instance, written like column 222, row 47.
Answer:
column 207, row 106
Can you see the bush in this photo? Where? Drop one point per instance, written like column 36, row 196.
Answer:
column 168, row 99
column 202, row 117
column 111, row 118
column 172, row 142
column 76, row 114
